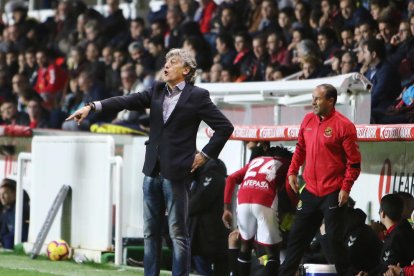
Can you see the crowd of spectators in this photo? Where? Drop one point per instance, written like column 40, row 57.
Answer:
column 48, row 69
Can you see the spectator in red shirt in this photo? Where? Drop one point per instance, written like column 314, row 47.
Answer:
column 51, row 79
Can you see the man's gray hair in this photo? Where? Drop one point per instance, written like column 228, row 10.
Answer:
column 188, row 60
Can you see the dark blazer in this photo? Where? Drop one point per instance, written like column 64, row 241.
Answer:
column 173, row 144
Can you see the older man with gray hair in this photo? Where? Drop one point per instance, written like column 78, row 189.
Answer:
column 177, row 109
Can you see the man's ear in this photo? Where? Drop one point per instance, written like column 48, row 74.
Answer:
column 186, row 71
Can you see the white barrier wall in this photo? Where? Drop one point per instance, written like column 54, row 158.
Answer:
column 83, row 163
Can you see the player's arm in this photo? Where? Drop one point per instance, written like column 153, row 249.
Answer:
column 353, row 158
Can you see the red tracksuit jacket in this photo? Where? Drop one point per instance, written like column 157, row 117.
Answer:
column 331, row 152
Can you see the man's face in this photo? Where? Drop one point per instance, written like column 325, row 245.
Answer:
column 127, row 79
column 385, row 31
column 367, row 56
column 226, row 17
column 272, row 44
column 239, row 43
column 321, row 105
column 375, row 11
column 325, row 7
column 19, row 84
column 7, row 197
column 107, row 55
column 135, row 29
column 174, row 71
column 33, row 108
column 346, row 9
column 346, row 64
column 347, row 39
column 258, row 48
column 307, row 69
column 323, row 42
column 30, row 59
column 365, row 31
column 8, row 110
column 41, row 59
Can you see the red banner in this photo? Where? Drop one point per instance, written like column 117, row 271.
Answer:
column 366, row 133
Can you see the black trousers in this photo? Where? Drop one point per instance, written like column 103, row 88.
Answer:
column 310, row 212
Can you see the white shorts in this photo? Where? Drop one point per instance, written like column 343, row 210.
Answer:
column 260, row 221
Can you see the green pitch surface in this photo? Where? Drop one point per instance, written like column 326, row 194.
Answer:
column 12, row 264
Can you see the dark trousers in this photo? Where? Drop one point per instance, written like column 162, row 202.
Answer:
column 310, row 212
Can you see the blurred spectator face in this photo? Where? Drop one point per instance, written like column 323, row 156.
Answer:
column 20, row 84
column 225, row 76
column 273, row 44
column 107, row 55
column 347, row 8
column 92, row 52
column 154, row 49
column 80, row 23
column 347, row 39
column 412, row 26
column 284, row 20
column 185, row 6
column 239, row 43
column 91, row 34
column 173, row 19
column 188, row 47
column 277, row 75
column 33, row 109
column 215, row 72
column 307, row 69
column 113, row 5
column 41, row 59
column 269, row 73
column 135, row 54
column 119, row 57
column 220, row 46
column 76, row 56
column 128, row 79
column 335, row 65
column 360, row 55
column 227, row 17
column 323, row 42
column 135, row 29
column 8, row 111
column 300, row 12
column 385, row 31
column 375, row 11
column 62, row 10
column 268, row 10
column 347, row 65
column 7, row 196
column 18, row 16
column 367, row 55
column 73, row 84
column 84, row 82
column 13, row 33
column 404, row 31
column 11, row 58
column 258, row 48
column 357, row 34
column 325, row 7
column 30, row 59
column 296, row 37
column 156, row 29
column 366, row 31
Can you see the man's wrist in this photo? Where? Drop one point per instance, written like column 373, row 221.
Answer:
column 91, row 105
column 205, row 156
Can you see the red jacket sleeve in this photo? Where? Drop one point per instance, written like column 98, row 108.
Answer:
column 353, row 157
column 231, row 182
column 409, row 270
